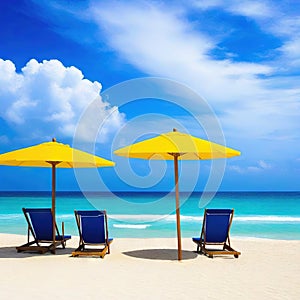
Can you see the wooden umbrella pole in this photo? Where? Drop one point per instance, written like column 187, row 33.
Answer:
column 53, row 202
column 177, row 207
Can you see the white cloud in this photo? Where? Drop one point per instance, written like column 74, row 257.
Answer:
column 278, row 19
column 286, row 25
column 249, row 8
column 46, row 99
column 290, row 51
column 237, row 169
column 264, row 165
column 160, row 40
column 148, row 32
column 259, row 167
column 164, row 43
column 261, row 11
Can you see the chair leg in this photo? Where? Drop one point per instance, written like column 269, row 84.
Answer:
column 201, row 248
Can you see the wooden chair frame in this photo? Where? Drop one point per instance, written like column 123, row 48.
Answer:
column 226, row 249
column 82, row 250
column 39, row 248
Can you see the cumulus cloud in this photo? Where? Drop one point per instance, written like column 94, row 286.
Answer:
column 47, row 99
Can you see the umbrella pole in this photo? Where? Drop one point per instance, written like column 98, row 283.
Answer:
column 177, row 207
column 53, row 202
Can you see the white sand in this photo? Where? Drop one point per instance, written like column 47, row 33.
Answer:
column 148, row 269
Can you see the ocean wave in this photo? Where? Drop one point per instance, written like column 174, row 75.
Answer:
column 271, row 219
column 188, row 218
column 132, row 226
column 65, row 216
column 171, row 218
column 11, row 216
column 153, row 218
column 136, row 218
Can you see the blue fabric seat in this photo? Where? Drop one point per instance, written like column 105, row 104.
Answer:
column 215, row 231
column 40, row 228
column 93, row 231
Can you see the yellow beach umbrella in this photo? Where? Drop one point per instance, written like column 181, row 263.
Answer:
column 176, row 146
column 53, row 155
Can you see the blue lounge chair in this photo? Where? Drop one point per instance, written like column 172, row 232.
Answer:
column 40, row 226
column 93, row 231
column 215, row 232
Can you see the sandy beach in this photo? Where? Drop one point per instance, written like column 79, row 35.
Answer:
column 148, row 269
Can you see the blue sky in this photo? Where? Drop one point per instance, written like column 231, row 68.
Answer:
column 241, row 58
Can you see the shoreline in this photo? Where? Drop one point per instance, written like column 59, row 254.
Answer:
column 232, row 237
column 147, row 268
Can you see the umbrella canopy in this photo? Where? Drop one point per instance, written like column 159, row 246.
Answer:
column 176, row 146
column 53, row 155
column 166, row 145
column 46, row 154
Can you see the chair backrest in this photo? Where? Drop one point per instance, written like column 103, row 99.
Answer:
column 92, row 226
column 217, row 225
column 41, row 222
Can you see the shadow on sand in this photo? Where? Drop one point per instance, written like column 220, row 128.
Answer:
column 11, row 252
column 161, row 254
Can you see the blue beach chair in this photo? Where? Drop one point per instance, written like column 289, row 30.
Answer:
column 93, row 232
column 215, row 232
column 40, row 227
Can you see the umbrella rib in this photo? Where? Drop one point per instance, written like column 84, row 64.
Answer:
column 199, row 156
column 53, row 163
column 177, row 153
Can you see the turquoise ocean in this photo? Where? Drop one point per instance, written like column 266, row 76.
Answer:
column 273, row 215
